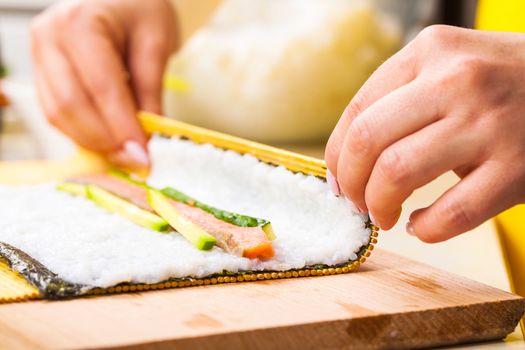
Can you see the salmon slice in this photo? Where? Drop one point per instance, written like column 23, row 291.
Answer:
column 249, row 242
column 131, row 192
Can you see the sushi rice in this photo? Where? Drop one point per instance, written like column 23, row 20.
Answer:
column 85, row 244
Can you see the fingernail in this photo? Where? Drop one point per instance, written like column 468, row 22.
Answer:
column 410, row 229
column 136, row 152
column 362, row 211
column 353, row 206
column 332, row 183
column 373, row 220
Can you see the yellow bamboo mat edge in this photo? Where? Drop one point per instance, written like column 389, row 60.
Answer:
column 153, row 123
column 13, row 287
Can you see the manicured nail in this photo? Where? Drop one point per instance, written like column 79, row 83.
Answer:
column 136, row 153
column 353, row 206
column 374, row 222
column 410, row 229
column 332, row 183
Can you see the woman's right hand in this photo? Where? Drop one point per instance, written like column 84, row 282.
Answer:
column 453, row 99
column 96, row 62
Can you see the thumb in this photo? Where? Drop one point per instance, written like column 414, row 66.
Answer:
column 483, row 193
column 149, row 51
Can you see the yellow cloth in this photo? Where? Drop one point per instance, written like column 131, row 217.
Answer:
column 508, row 16
column 501, row 15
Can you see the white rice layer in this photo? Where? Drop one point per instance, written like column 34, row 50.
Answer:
column 84, row 244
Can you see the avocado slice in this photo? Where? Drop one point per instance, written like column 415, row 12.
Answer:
column 128, row 177
column 193, row 233
column 124, row 208
column 268, row 230
column 73, row 188
column 224, row 215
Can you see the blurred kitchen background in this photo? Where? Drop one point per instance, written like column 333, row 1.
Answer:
column 283, row 107
column 296, row 65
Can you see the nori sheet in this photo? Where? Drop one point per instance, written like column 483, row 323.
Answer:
column 51, row 286
column 48, row 283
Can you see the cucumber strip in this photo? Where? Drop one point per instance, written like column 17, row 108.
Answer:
column 232, row 218
column 72, row 188
column 224, row 215
column 124, row 208
column 192, row 232
column 127, row 177
column 268, row 230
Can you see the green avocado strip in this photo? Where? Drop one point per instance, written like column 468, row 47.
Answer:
column 193, row 233
column 232, row 218
column 127, row 177
column 73, row 188
column 126, row 209
column 116, row 205
column 224, row 215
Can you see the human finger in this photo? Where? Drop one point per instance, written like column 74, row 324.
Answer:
column 102, row 71
column 395, row 72
column 393, row 117
column 149, row 50
column 67, row 105
column 415, row 161
column 482, row 194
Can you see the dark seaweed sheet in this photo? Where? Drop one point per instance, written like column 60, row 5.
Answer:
column 53, row 287
column 48, row 283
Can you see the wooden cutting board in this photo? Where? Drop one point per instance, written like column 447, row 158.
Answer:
column 391, row 302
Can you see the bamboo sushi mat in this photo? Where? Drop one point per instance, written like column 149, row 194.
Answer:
column 14, row 287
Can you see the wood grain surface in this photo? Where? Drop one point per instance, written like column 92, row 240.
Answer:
column 391, row 302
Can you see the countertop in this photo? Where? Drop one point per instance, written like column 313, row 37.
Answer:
column 475, row 255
